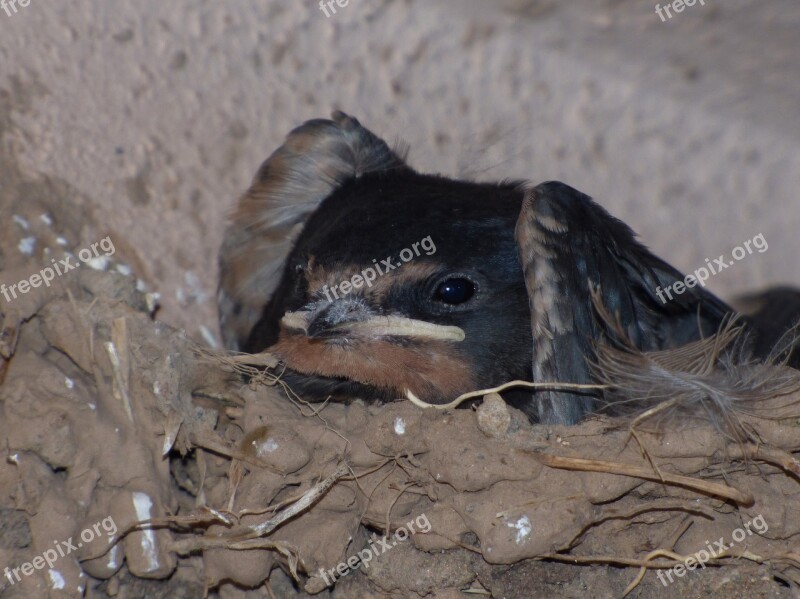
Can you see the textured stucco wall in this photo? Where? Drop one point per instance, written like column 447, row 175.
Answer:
column 148, row 118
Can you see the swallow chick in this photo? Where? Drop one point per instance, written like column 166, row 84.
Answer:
column 369, row 279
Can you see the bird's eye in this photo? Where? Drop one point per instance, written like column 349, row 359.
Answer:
column 455, row 291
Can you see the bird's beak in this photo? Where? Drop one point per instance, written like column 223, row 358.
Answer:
column 351, row 318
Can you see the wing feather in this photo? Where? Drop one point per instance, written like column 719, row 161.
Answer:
column 568, row 246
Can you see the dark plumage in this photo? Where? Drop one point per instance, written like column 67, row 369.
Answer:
column 499, row 286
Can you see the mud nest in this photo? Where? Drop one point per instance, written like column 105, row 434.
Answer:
column 200, row 473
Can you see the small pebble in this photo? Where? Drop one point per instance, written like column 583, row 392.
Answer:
column 493, row 416
column 21, row 222
column 27, row 245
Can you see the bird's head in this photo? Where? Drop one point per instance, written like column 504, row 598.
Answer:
column 399, row 282
column 394, row 281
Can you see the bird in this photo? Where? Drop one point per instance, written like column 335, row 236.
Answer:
column 369, row 279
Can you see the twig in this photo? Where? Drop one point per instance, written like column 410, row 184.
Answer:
column 742, row 498
column 480, row 393
column 238, row 538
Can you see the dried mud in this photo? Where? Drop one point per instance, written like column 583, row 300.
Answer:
column 247, row 491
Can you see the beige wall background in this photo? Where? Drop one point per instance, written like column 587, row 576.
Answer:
column 145, row 120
